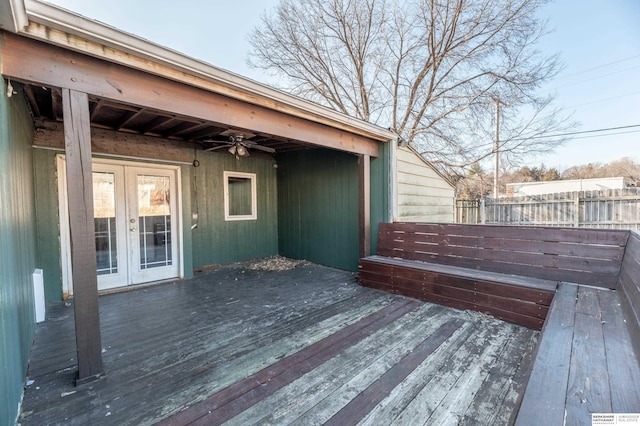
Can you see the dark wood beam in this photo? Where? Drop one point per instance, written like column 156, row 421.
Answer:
column 77, row 136
column 94, row 109
column 180, row 128
column 364, row 204
column 34, row 61
column 155, row 122
column 56, row 101
column 209, row 131
column 28, row 90
column 191, row 130
column 127, row 117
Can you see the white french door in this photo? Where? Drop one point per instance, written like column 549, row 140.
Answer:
column 136, row 224
column 151, row 218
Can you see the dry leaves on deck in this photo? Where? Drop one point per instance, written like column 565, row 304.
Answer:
column 275, row 263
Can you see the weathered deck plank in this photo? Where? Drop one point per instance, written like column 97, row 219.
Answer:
column 173, row 346
column 585, row 362
column 370, row 397
column 243, row 394
column 497, row 397
column 588, row 387
column 543, row 403
column 622, row 364
column 383, row 348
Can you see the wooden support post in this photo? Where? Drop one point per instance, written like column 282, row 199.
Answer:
column 364, row 186
column 77, row 138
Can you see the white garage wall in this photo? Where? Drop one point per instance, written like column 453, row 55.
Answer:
column 423, row 194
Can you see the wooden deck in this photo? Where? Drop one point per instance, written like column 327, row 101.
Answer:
column 302, row 346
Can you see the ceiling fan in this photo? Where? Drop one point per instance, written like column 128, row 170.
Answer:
column 238, row 145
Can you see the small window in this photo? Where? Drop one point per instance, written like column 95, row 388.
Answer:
column 240, row 196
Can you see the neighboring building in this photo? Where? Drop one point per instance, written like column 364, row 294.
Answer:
column 423, row 193
column 557, row 186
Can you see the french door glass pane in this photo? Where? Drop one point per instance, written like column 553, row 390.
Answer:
column 104, row 209
column 154, row 216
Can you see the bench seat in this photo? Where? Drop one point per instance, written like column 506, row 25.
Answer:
column 585, row 361
column 514, row 298
column 509, row 272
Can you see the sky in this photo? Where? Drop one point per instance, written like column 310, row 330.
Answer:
column 598, row 42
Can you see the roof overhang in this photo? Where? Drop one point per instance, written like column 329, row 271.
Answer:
column 13, row 15
column 57, row 26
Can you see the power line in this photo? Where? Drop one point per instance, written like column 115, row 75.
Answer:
column 598, row 67
column 582, row 132
column 607, row 134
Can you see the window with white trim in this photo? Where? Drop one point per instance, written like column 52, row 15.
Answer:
column 240, row 198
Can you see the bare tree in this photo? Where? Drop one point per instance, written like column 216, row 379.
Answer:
column 430, row 70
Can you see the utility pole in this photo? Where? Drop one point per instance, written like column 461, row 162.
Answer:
column 496, row 150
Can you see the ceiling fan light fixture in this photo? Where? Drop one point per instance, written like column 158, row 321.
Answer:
column 233, row 150
column 242, row 151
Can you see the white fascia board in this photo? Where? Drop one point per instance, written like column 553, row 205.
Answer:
column 95, row 31
column 13, row 16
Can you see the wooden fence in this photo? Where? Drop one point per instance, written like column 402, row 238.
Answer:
column 613, row 209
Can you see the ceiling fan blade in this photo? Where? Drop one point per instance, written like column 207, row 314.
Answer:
column 263, row 148
column 215, row 148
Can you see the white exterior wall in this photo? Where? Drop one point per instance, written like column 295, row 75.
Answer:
column 556, row 186
column 422, row 194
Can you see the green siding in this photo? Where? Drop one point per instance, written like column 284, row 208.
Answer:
column 216, row 241
column 318, row 207
column 187, row 240
column 380, row 203
column 48, row 222
column 17, row 250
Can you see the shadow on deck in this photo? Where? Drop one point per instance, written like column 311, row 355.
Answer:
column 305, row 346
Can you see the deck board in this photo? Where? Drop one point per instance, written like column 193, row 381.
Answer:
column 622, row 363
column 170, row 347
column 306, row 393
column 585, row 363
column 588, row 387
column 366, row 400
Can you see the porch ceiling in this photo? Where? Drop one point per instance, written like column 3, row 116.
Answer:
column 46, row 107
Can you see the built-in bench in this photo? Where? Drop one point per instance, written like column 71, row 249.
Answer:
column 509, row 272
column 585, row 362
column 587, row 357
